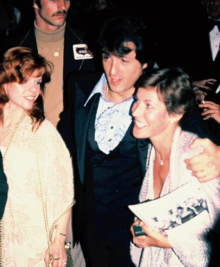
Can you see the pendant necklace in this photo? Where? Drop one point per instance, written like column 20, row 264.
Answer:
column 55, row 52
column 162, row 161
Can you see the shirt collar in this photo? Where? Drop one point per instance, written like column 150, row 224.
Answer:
column 98, row 89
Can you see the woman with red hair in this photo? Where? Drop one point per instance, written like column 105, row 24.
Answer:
column 37, row 166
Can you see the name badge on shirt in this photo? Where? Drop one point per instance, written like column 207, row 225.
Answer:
column 80, row 51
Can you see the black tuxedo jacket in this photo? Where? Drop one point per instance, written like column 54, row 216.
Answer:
column 3, row 188
column 73, row 127
column 201, row 65
column 189, row 48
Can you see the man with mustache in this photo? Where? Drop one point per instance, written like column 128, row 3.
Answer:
column 54, row 40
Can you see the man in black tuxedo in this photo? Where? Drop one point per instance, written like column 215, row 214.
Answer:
column 3, row 189
column 51, row 37
column 109, row 162
column 195, row 47
column 205, row 64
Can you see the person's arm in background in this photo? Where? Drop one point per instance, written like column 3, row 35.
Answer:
column 193, row 122
column 3, row 188
column 204, row 84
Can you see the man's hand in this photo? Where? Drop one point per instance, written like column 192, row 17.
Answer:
column 205, row 166
column 153, row 238
column 211, row 110
column 205, row 83
column 200, row 95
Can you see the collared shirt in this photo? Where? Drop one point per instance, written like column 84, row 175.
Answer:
column 112, row 120
column 214, row 37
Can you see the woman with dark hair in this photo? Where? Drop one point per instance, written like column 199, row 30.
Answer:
column 161, row 101
column 37, row 166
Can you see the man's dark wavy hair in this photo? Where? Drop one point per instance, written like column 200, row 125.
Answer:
column 119, row 30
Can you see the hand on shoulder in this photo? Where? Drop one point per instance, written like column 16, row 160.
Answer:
column 205, row 166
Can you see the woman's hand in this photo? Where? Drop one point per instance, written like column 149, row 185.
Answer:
column 153, row 239
column 58, row 251
column 57, row 247
column 211, row 110
column 205, row 83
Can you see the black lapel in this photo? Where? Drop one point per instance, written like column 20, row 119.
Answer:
column 70, row 64
column 29, row 40
column 83, row 116
column 73, row 36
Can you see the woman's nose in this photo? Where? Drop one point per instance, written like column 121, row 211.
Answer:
column 32, row 86
column 137, row 109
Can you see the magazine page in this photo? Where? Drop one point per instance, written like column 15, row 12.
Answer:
column 184, row 207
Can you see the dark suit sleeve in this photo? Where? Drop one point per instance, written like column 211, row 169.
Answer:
column 3, row 188
column 65, row 125
column 193, row 122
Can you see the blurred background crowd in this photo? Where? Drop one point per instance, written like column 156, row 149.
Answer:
column 171, row 21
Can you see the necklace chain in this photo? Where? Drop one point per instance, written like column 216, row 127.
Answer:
column 56, row 51
column 162, row 161
column 1, row 222
column 15, row 131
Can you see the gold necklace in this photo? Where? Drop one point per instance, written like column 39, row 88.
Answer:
column 49, row 233
column 7, row 148
column 15, row 131
column 55, row 52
